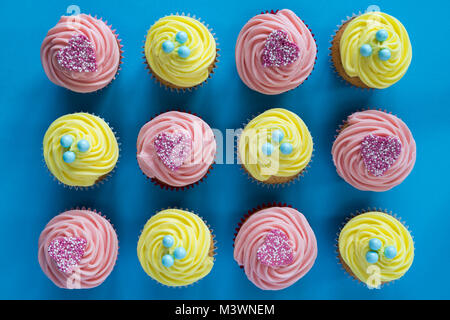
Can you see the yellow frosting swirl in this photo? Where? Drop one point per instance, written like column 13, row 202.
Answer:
column 259, row 131
column 354, row 245
column 181, row 72
column 374, row 72
column 89, row 166
column 190, row 232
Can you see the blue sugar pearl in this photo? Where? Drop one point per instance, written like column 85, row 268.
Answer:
column 184, row 52
column 374, row 244
column 66, row 141
column 365, row 50
column 168, row 46
column 69, row 157
column 267, row 149
column 167, row 260
column 83, row 145
column 382, row 35
column 179, row 253
column 390, row 252
column 384, row 54
column 277, row 136
column 372, row 257
column 286, row 148
column 168, row 241
column 181, row 37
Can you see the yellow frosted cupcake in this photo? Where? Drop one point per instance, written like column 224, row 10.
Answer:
column 80, row 149
column 180, row 51
column 375, row 248
column 176, row 248
column 275, row 147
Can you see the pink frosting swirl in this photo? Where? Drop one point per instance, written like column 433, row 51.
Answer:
column 106, row 46
column 196, row 165
column 101, row 250
column 250, row 45
column 347, row 156
column 252, row 235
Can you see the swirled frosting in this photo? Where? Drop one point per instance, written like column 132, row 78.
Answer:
column 100, row 254
column 189, row 232
column 250, row 45
column 252, row 235
column 259, row 131
column 106, row 47
column 202, row 151
column 374, row 72
column 347, row 156
column 354, row 245
column 89, row 167
column 181, row 72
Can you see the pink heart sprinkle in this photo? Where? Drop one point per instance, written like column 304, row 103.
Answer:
column 67, row 252
column 380, row 153
column 278, row 50
column 173, row 148
column 276, row 250
column 78, row 55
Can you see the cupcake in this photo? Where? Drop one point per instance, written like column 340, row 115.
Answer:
column 375, row 248
column 275, row 147
column 374, row 151
column 180, row 51
column 81, row 53
column 78, row 249
column 275, row 246
column 176, row 248
column 176, row 149
column 371, row 50
column 80, row 149
column 275, row 52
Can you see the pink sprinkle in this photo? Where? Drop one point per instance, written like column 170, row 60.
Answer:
column 279, row 51
column 276, row 250
column 67, row 252
column 173, row 148
column 78, row 55
column 380, row 153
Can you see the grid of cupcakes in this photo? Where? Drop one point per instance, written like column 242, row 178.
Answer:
column 275, row 52
column 181, row 52
column 371, row 50
column 81, row 53
column 275, row 148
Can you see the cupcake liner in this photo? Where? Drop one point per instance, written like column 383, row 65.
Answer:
column 167, row 85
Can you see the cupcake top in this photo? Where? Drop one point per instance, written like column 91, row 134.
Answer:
column 276, row 246
column 374, row 151
column 275, row 52
column 176, row 148
column 375, row 47
column 376, row 247
column 180, row 50
column 81, row 53
column 80, row 149
column 176, row 248
column 78, row 249
column 275, row 143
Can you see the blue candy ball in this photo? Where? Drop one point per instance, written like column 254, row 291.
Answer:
column 168, row 46
column 179, row 253
column 267, row 149
column 69, row 157
column 365, row 50
column 277, row 136
column 167, row 260
column 184, row 51
column 181, row 37
column 286, row 148
column 372, row 257
column 168, row 241
column 384, row 54
column 390, row 252
column 374, row 244
column 83, row 145
column 382, row 35
column 66, row 141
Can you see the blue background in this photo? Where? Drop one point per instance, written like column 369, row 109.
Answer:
column 30, row 102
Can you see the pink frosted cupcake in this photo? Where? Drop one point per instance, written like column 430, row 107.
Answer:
column 81, row 53
column 176, row 149
column 276, row 246
column 275, row 52
column 78, row 249
column 374, row 150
